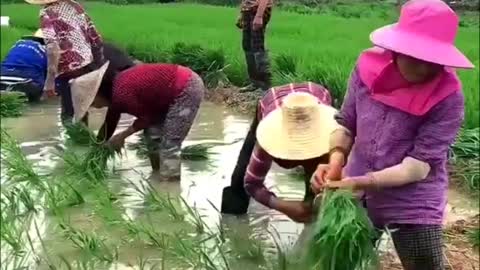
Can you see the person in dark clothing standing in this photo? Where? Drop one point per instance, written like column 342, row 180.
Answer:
column 255, row 15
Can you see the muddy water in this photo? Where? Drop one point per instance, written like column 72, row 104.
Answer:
column 202, row 182
column 40, row 134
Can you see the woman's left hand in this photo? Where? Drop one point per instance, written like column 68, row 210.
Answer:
column 117, row 142
column 355, row 183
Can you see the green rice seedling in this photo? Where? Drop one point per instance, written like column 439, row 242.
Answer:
column 89, row 243
column 196, row 152
column 209, row 64
column 285, row 64
column 160, row 240
column 95, row 162
column 17, row 167
column 80, row 134
column 25, row 198
column 474, row 237
column 15, row 261
column 12, row 104
column 11, row 234
column 60, row 195
column 200, row 151
column 197, row 219
column 467, row 144
column 186, row 250
column 342, row 235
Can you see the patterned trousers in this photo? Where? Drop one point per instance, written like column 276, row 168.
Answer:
column 420, row 247
column 254, row 40
column 165, row 138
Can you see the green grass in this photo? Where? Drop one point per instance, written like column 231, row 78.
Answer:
column 12, row 104
column 323, row 47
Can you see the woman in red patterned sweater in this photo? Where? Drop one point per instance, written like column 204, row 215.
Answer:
column 164, row 98
column 74, row 47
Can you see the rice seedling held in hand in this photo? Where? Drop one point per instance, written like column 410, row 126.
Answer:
column 342, row 236
column 80, row 134
column 12, row 104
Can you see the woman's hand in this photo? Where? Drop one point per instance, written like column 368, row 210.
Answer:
column 239, row 22
column 257, row 23
column 298, row 211
column 117, row 142
column 324, row 172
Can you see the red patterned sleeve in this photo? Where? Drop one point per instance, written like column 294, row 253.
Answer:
column 47, row 19
column 257, row 169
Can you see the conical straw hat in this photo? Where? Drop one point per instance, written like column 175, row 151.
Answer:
column 299, row 129
column 84, row 89
column 38, row 33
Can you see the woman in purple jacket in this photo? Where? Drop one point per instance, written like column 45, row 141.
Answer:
column 402, row 111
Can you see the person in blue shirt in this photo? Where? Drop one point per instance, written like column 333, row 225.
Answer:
column 24, row 68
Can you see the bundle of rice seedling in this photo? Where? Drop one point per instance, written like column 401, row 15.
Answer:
column 199, row 151
column 342, row 236
column 12, row 104
column 80, row 134
column 95, row 162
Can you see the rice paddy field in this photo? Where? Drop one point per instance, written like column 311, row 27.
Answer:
column 318, row 47
column 69, row 204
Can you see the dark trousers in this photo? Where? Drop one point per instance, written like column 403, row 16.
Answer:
column 63, row 83
column 32, row 91
column 419, row 246
column 253, row 43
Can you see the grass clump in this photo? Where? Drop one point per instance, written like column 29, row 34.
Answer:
column 12, row 104
column 80, row 134
column 474, row 236
column 18, row 168
column 466, row 159
column 342, row 235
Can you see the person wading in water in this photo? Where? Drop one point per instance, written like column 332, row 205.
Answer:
column 291, row 128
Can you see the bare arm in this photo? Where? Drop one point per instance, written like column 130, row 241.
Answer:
column 262, row 6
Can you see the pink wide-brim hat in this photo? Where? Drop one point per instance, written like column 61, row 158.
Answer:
column 426, row 30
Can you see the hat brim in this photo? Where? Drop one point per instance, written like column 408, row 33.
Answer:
column 427, row 49
column 40, row 2
column 307, row 144
column 84, row 90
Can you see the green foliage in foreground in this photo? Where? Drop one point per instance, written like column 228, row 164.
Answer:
column 12, row 104
column 474, row 236
column 342, row 237
column 322, row 48
column 466, row 160
column 67, row 244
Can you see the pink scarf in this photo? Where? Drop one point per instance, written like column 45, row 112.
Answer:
column 386, row 85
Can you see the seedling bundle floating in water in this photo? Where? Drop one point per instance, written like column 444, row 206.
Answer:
column 342, row 236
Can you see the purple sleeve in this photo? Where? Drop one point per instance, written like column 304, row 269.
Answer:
column 257, row 169
column 439, row 130
column 347, row 116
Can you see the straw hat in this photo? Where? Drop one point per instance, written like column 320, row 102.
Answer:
column 38, row 33
column 41, row 2
column 426, row 30
column 84, row 89
column 299, row 129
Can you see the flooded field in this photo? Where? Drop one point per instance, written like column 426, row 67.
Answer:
column 190, row 235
